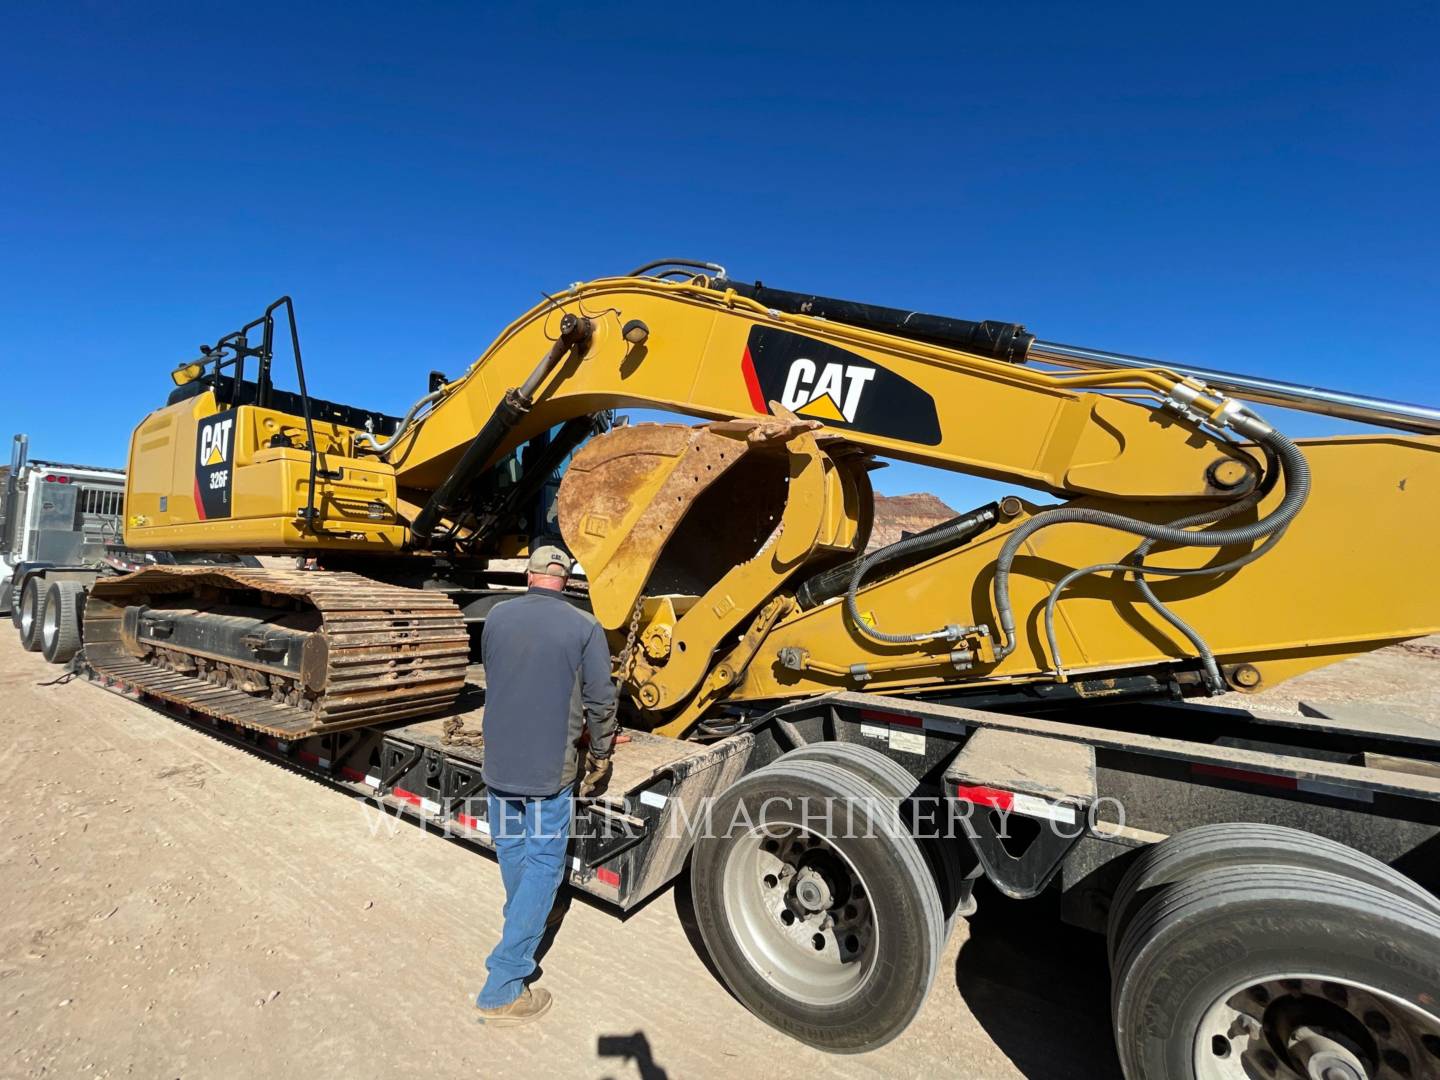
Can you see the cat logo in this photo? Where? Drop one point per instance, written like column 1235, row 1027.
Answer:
column 830, row 393
column 215, row 447
column 215, row 441
column 840, row 388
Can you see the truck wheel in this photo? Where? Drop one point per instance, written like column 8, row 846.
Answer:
column 817, row 908
column 60, row 625
column 1277, row 971
column 1212, row 847
column 945, row 854
column 32, row 612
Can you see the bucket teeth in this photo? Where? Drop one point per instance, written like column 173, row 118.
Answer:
column 388, row 652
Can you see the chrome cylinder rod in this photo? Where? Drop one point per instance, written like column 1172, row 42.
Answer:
column 1313, row 399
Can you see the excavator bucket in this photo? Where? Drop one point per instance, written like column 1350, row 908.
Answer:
column 637, row 491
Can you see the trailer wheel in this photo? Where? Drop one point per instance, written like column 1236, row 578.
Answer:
column 60, row 625
column 817, row 908
column 1276, row 971
column 32, row 612
column 945, row 854
column 1213, row 847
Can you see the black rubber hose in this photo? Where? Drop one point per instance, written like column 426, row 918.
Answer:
column 694, row 264
column 1269, row 477
column 1293, row 465
column 890, row 560
column 1206, row 656
column 1268, row 480
column 933, row 539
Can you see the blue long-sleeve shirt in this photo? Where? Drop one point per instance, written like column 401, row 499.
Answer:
column 547, row 673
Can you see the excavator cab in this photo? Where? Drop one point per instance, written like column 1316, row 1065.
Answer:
column 237, row 462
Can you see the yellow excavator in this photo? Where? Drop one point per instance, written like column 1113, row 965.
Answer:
column 1015, row 696
column 1194, row 549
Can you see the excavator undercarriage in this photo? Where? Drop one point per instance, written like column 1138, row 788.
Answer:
column 288, row 653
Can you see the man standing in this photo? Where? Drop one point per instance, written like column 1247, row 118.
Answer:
column 547, row 673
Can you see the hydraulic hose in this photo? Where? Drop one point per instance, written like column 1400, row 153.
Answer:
column 1269, row 477
column 1294, row 468
column 962, row 528
column 368, row 440
column 891, row 559
column 1202, row 649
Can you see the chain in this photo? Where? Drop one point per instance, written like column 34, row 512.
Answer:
column 625, row 661
column 455, row 733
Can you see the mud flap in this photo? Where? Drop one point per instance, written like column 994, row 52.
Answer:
column 1024, row 801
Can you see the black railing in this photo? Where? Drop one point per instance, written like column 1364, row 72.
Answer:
column 232, row 350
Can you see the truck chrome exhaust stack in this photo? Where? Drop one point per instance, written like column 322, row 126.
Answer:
column 19, row 454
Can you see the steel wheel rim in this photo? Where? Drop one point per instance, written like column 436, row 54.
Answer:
column 27, row 613
column 824, row 950
column 1314, row 1027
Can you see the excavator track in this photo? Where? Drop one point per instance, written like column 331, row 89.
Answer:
column 372, row 652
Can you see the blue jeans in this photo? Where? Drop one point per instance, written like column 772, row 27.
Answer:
column 530, row 834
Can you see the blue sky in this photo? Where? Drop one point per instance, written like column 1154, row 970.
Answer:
column 1248, row 187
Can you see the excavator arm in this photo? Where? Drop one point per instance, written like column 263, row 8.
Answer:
column 1194, row 549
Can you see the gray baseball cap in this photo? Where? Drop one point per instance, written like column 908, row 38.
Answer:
column 542, row 558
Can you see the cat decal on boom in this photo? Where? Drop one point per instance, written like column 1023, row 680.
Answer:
column 815, row 379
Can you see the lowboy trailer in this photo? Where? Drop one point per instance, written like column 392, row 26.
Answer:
column 1302, row 850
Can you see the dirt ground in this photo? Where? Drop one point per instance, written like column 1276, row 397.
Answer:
column 175, row 907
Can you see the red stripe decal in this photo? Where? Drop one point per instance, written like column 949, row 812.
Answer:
column 890, row 718
column 351, row 774
column 199, row 505
column 985, row 796
column 752, row 383
column 408, row 796
column 308, row 758
column 468, row 821
column 608, row 877
column 1244, row 776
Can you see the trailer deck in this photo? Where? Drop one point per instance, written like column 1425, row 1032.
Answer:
column 1157, row 769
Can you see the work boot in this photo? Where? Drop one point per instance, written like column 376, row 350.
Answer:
column 530, row 1005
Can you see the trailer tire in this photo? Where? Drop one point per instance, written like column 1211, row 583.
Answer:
column 945, row 854
column 1230, row 972
column 1222, row 844
column 32, row 612
column 772, row 870
column 60, row 626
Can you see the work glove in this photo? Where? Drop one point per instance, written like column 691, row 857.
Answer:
column 597, row 776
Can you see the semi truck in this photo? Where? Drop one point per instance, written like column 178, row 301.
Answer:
column 837, row 745
column 60, row 530
column 53, row 517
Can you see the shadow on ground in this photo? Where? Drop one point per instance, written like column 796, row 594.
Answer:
column 1039, row 988
column 685, row 912
column 630, row 1048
